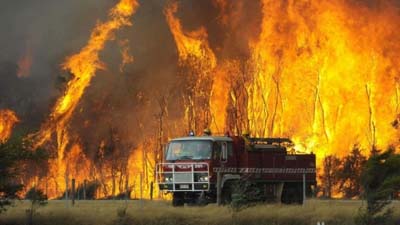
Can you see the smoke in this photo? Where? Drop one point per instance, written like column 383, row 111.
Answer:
column 230, row 24
column 126, row 102
column 124, row 105
column 48, row 31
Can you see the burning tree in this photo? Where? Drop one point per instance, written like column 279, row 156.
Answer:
column 8, row 186
column 15, row 158
column 196, row 63
column 329, row 177
column 342, row 177
column 8, row 119
column 350, row 173
column 83, row 66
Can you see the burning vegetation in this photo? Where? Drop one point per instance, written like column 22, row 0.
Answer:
column 8, row 119
column 83, row 67
column 325, row 73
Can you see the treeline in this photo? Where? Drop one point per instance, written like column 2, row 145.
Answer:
column 341, row 177
column 375, row 179
column 16, row 161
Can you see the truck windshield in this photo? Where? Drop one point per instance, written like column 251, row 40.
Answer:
column 190, row 149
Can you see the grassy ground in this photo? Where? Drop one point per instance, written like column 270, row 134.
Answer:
column 159, row 212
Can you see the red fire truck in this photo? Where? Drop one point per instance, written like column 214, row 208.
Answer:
column 206, row 168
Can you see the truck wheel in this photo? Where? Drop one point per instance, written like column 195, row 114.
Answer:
column 226, row 195
column 178, row 199
column 292, row 194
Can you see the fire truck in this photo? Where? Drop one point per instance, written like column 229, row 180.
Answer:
column 207, row 169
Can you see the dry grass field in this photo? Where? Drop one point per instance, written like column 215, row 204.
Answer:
column 159, row 212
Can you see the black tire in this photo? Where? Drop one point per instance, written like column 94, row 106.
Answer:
column 292, row 193
column 178, row 199
column 226, row 194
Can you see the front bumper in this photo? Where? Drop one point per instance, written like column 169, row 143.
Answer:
column 184, row 187
column 183, row 177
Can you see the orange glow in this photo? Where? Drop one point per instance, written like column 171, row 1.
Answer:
column 8, row 119
column 141, row 165
column 219, row 100
column 74, row 165
column 113, row 180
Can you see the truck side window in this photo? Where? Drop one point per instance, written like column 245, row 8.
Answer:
column 224, row 152
column 216, row 151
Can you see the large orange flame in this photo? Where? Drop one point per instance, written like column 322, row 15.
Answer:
column 322, row 72
column 195, row 55
column 326, row 74
column 83, row 67
column 112, row 176
column 189, row 44
column 8, row 119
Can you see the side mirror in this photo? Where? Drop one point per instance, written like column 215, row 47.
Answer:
column 224, row 152
column 165, row 149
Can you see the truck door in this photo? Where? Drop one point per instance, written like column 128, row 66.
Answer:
column 216, row 154
column 223, row 154
column 231, row 158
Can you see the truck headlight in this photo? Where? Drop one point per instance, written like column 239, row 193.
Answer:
column 168, row 179
column 203, row 178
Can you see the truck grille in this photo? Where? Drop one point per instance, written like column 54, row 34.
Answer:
column 183, row 177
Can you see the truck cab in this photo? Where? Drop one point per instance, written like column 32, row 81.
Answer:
column 202, row 169
column 187, row 171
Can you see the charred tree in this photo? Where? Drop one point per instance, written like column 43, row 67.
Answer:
column 329, row 177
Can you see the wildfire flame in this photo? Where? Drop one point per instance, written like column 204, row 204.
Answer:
column 189, row 44
column 8, row 119
column 324, row 73
column 196, row 55
column 83, row 67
